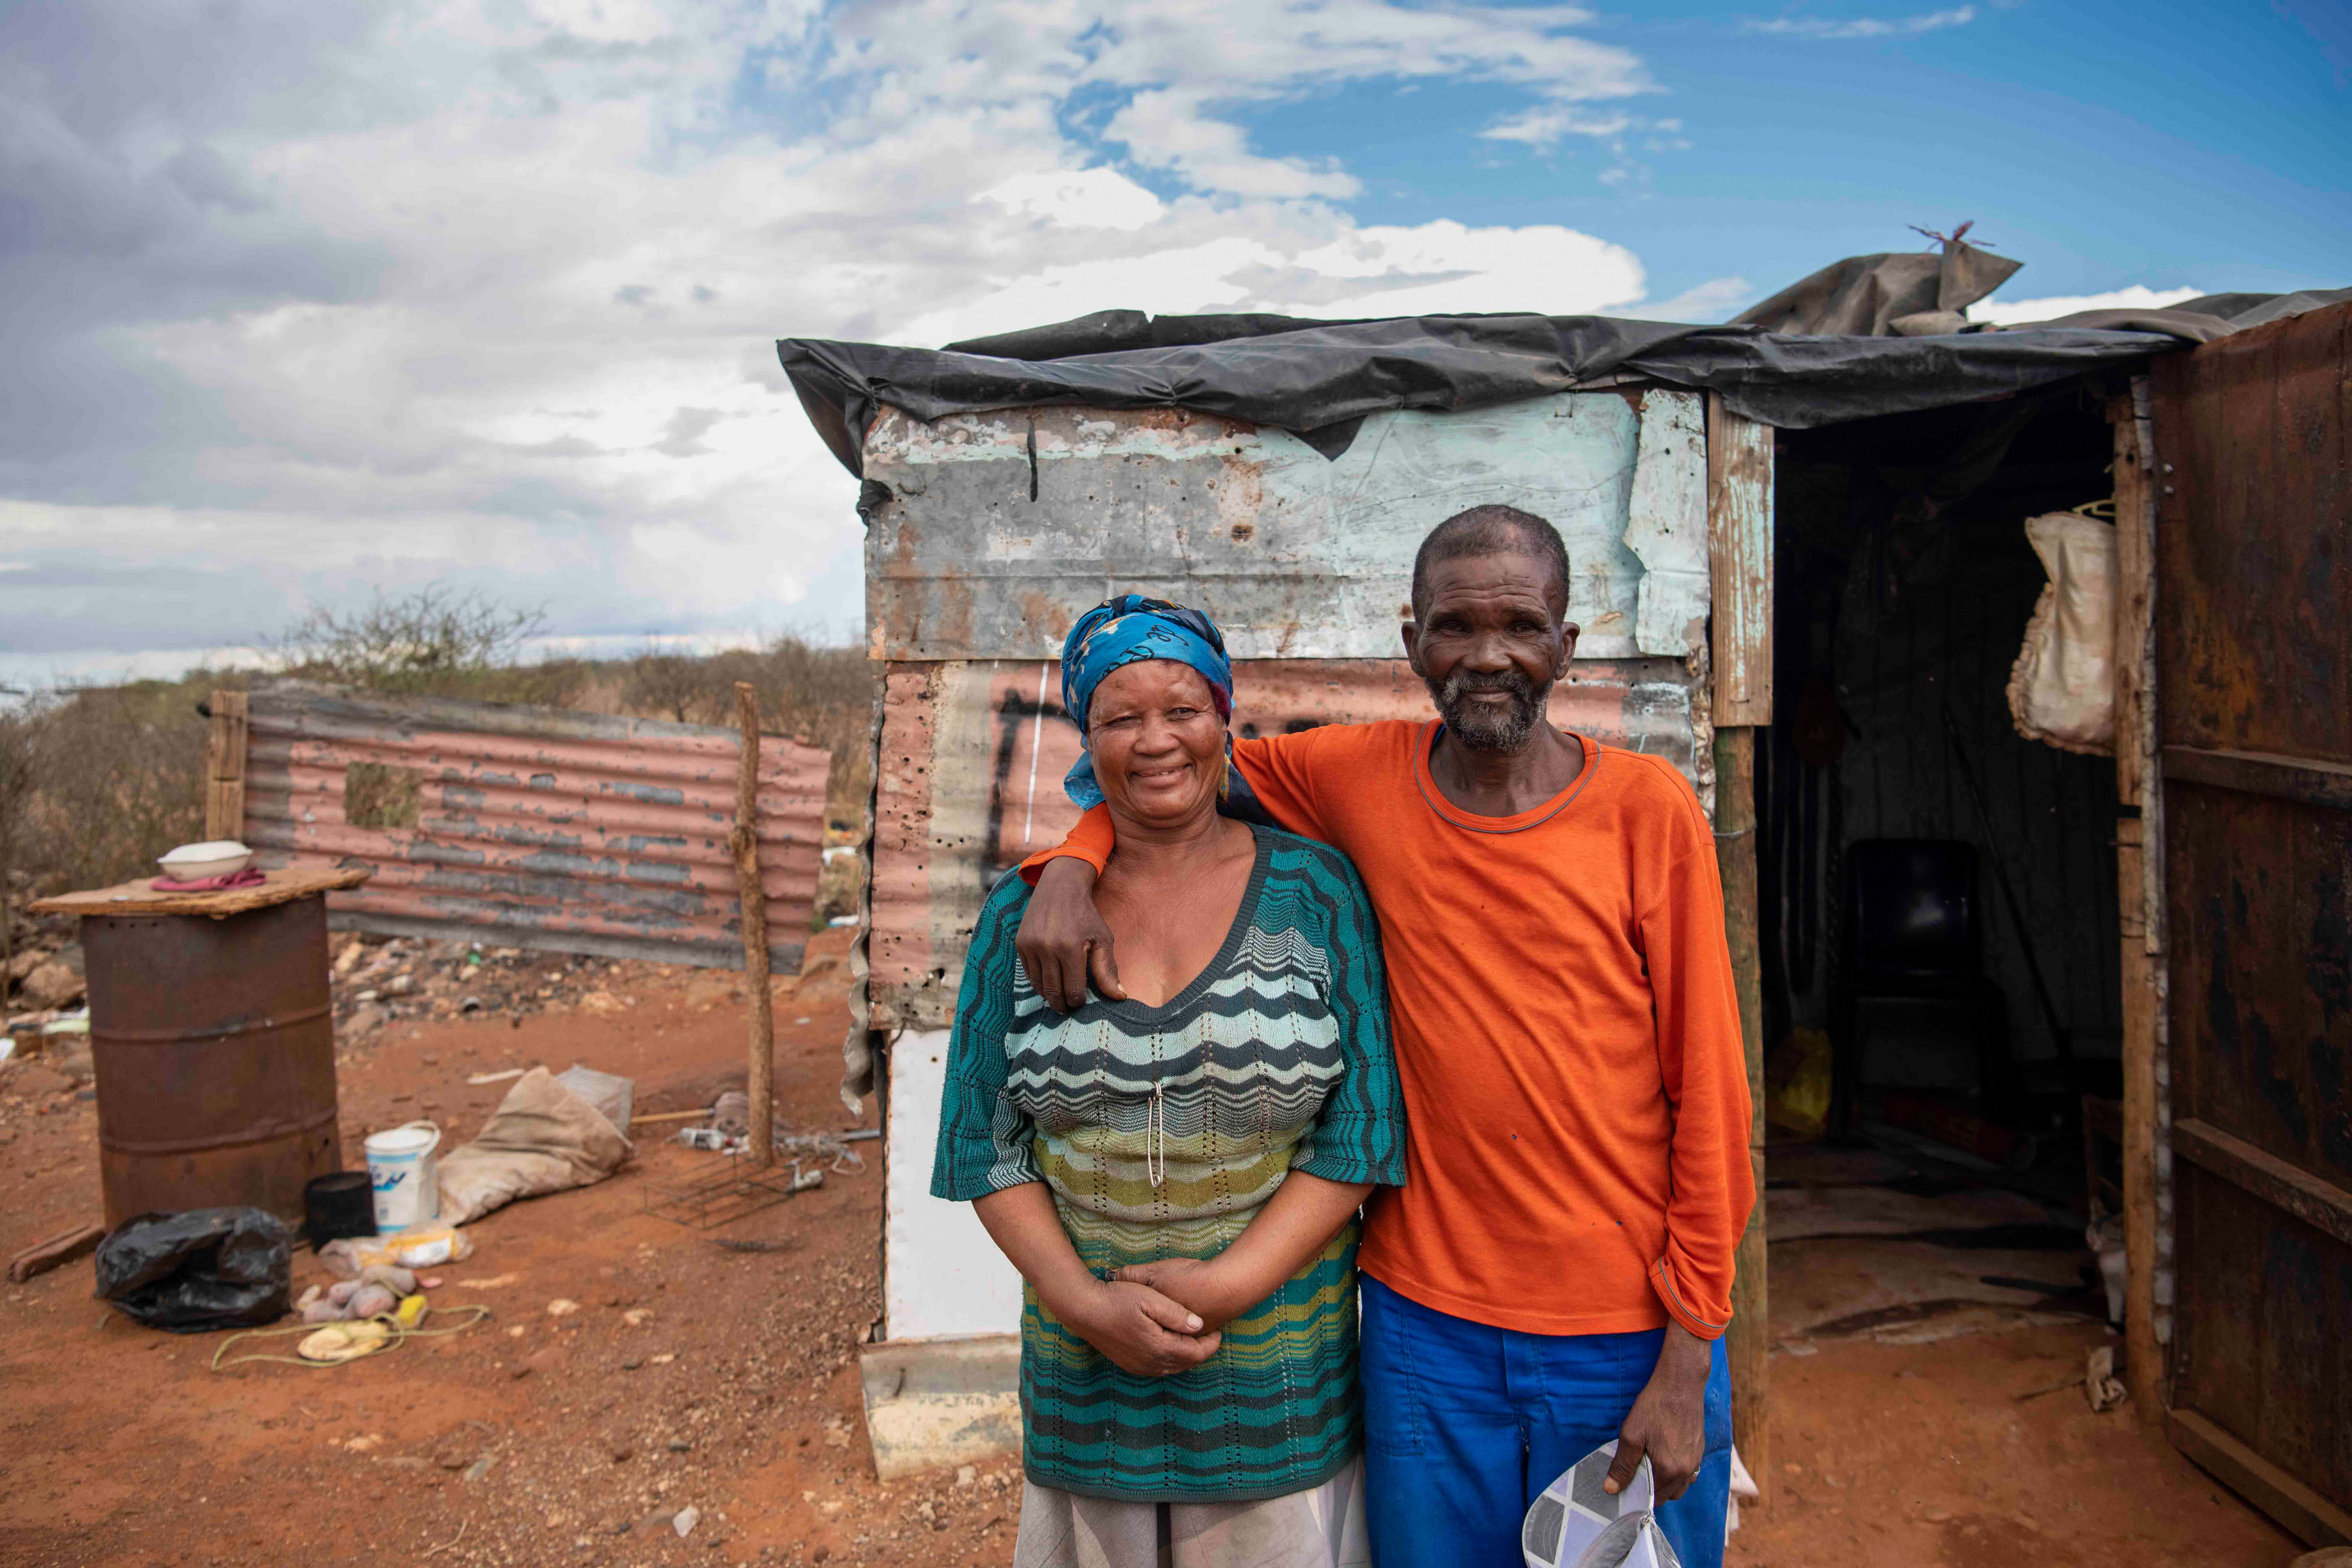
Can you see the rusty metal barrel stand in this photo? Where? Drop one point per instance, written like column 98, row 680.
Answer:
column 214, row 1043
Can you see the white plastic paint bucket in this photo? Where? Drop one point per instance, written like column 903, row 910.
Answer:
column 400, row 1170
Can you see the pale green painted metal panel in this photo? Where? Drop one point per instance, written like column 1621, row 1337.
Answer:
column 1003, row 527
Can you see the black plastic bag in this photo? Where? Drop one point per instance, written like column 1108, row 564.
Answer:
column 199, row 1270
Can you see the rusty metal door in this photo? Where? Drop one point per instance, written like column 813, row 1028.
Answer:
column 2253, row 618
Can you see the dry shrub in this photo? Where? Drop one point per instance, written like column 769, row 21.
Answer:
column 821, row 695
column 109, row 778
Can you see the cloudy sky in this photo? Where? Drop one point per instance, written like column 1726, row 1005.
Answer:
column 308, row 300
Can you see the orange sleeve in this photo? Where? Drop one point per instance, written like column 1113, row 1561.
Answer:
column 1280, row 771
column 1705, row 1068
column 1089, row 840
column 1278, row 768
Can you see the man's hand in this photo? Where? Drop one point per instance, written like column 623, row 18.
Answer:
column 1197, row 1283
column 1668, row 1421
column 1062, row 939
column 1142, row 1331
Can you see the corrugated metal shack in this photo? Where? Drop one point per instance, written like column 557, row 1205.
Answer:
column 2164, row 927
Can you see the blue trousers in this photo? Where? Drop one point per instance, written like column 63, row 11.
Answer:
column 1465, row 1424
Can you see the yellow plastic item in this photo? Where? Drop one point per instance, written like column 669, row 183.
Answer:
column 411, row 1310
column 344, row 1342
column 419, row 1246
column 1797, row 1083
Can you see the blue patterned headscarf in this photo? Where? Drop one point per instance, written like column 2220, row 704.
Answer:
column 1120, row 631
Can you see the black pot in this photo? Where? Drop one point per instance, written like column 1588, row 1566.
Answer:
column 337, row 1205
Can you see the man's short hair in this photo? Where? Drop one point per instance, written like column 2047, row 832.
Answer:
column 1493, row 530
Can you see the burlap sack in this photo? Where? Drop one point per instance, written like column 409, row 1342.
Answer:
column 542, row 1139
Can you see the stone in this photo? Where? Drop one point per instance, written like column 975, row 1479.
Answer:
column 365, row 1020
column 37, row 1079
column 53, row 985
column 685, row 1519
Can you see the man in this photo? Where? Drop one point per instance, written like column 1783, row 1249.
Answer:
column 1557, row 1269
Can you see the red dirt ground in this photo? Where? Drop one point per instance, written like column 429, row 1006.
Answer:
column 544, row 1440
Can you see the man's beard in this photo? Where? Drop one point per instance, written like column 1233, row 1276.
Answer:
column 1479, row 726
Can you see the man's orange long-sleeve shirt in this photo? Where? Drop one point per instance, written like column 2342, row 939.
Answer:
column 1566, row 1031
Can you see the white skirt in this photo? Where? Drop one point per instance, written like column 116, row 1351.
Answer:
column 1322, row 1526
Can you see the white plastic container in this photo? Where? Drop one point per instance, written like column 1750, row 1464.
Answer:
column 406, row 1181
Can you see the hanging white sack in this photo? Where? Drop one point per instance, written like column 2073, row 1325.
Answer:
column 2063, row 688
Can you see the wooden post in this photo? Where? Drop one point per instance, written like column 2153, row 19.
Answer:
column 224, row 767
column 1749, row 1342
column 1739, row 558
column 744, row 841
column 2139, row 848
column 1739, row 563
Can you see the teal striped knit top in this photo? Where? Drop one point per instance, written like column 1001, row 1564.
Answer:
column 1275, row 1059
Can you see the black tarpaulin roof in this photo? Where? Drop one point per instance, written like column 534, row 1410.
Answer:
column 1319, row 379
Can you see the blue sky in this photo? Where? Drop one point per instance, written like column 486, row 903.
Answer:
column 315, row 302
column 2104, row 144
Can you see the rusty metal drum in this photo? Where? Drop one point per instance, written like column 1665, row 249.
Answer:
column 215, row 1048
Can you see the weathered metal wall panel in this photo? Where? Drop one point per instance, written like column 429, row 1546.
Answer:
column 1005, row 527
column 2254, row 692
column 534, row 827
column 970, row 780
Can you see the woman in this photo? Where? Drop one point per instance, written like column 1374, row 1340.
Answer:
column 1177, row 1175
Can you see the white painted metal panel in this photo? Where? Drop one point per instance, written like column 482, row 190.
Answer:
column 941, row 1276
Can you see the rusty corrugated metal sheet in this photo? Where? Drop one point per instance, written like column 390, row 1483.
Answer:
column 2253, row 433
column 535, row 827
column 972, row 755
column 1003, row 527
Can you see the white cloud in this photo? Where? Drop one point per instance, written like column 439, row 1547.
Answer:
column 1717, row 299
column 365, row 298
column 2138, row 297
column 1079, row 198
column 1546, row 127
column 1865, row 27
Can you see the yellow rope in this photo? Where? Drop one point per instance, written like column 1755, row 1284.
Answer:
column 395, row 1335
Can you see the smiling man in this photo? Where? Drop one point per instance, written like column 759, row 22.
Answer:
column 1556, row 1270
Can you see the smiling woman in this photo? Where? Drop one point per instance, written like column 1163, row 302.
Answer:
column 1176, row 1170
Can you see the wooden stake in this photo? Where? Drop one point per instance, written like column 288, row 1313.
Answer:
column 2139, row 849
column 224, row 767
column 745, row 843
column 1748, row 1344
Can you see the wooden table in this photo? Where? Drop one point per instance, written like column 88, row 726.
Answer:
column 138, row 897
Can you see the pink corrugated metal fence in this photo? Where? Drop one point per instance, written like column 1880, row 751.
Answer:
column 536, row 828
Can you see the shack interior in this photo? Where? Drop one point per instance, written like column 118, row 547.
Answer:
column 1938, row 894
